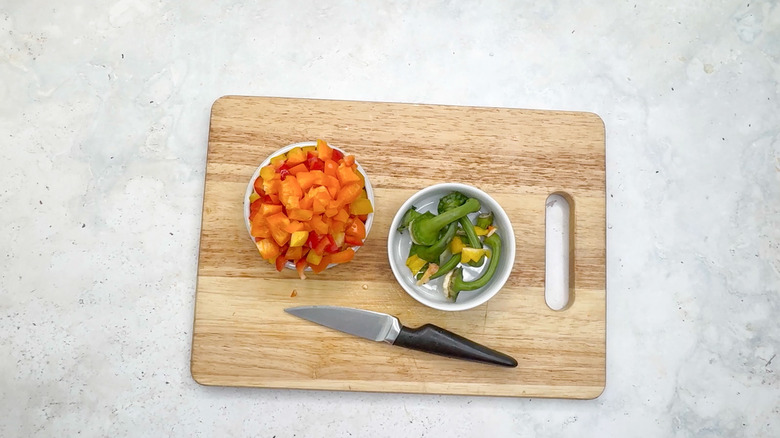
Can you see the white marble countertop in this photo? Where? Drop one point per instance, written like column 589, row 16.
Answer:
column 104, row 112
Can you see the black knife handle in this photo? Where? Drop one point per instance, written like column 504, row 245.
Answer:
column 432, row 339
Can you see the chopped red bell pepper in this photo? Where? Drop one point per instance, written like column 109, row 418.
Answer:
column 326, row 245
column 254, row 207
column 280, row 261
column 258, row 185
column 356, row 228
column 284, row 171
column 352, row 240
column 313, row 240
column 332, row 247
column 300, row 266
column 315, row 163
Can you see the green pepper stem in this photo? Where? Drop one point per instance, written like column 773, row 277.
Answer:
column 485, row 220
column 425, row 231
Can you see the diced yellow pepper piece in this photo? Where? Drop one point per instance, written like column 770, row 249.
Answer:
column 456, row 245
column 313, row 258
column 480, row 231
column 415, row 264
column 278, row 160
column 361, row 206
column 469, row 254
column 309, row 148
column 253, row 197
column 267, row 173
column 298, row 238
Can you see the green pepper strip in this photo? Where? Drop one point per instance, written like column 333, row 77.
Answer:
column 433, row 252
column 448, row 266
column 473, row 239
column 457, row 284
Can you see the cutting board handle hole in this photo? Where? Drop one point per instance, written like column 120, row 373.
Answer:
column 558, row 250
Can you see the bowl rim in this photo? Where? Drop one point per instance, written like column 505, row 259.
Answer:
column 486, row 293
column 256, row 174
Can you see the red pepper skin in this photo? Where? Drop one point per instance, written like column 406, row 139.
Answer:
column 313, row 162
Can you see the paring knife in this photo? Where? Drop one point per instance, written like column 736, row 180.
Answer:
column 382, row 327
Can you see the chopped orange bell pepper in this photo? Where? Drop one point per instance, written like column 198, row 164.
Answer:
column 307, row 202
column 280, row 261
column 318, row 225
column 341, row 216
column 356, row 228
column 254, row 207
column 290, row 189
column 331, row 168
column 271, row 187
column 268, row 249
column 280, row 236
column 258, row 186
column 319, row 206
column 300, row 214
column 260, row 229
column 293, row 253
column 319, row 177
column 305, row 180
column 309, row 206
column 321, row 266
column 332, row 184
column 324, row 151
column 338, row 227
column 294, row 226
column 348, row 193
column 342, row 256
column 278, row 220
column 347, row 175
column 300, row 168
column 269, row 209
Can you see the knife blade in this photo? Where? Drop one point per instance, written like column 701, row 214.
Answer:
column 381, row 327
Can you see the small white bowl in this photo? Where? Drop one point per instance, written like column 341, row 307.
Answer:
column 432, row 293
column 251, row 188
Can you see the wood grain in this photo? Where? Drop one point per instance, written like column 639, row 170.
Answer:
column 241, row 335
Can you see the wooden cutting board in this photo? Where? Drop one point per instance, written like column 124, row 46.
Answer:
column 242, row 336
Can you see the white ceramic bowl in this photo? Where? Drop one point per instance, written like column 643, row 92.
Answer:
column 432, row 293
column 251, row 188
